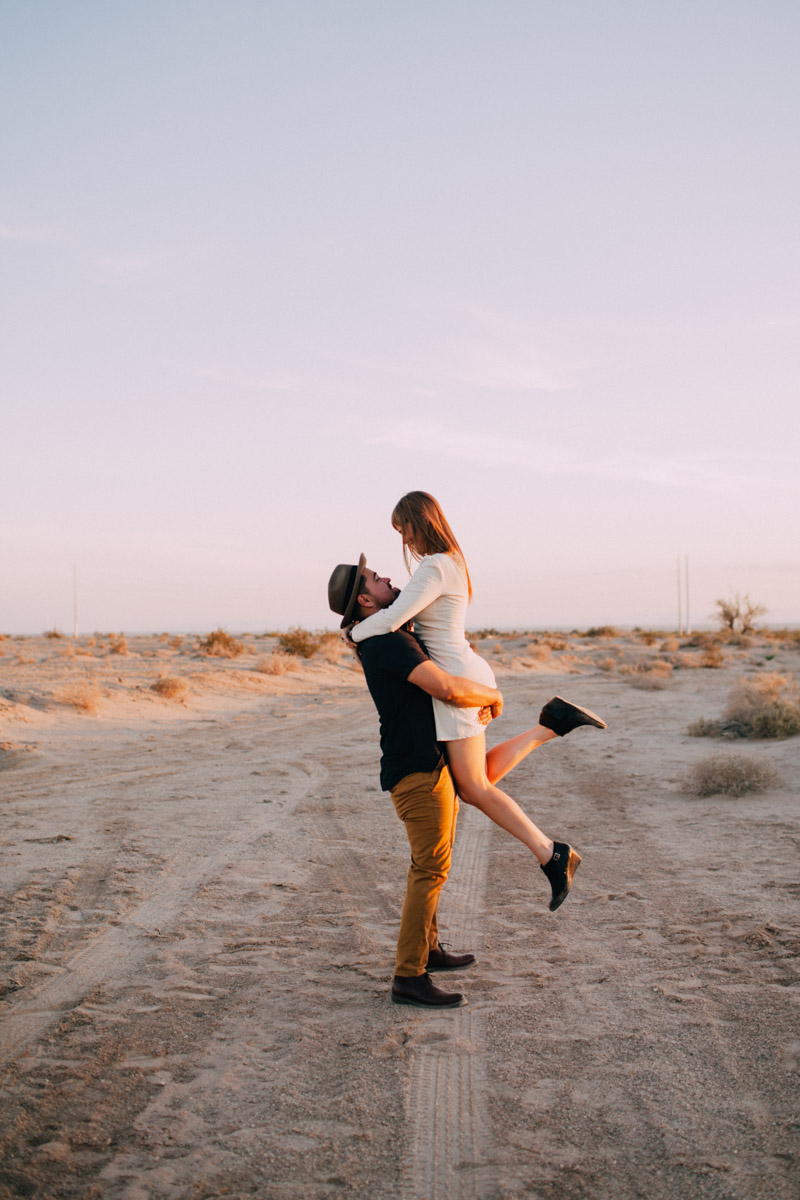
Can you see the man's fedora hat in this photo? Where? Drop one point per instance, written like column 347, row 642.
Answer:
column 343, row 588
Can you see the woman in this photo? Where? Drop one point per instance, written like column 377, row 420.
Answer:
column 436, row 598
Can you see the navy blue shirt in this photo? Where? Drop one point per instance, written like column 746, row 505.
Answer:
column 408, row 730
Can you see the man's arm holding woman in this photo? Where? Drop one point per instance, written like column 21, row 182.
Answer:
column 455, row 689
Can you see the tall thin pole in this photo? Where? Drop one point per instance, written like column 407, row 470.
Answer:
column 75, row 601
column 686, row 578
column 680, row 615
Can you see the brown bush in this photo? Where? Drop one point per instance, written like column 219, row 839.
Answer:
column 170, row 687
column 118, row 643
column 53, row 633
column 83, row 695
column 766, row 706
column 276, row 664
column 601, row 631
column 299, row 642
column 220, row 644
column 729, row 775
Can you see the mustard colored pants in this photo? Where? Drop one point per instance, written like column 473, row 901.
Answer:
column 426, row 803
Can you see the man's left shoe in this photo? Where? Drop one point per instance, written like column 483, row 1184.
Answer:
column 562, row 717
column 440, row 959
column 560, row 870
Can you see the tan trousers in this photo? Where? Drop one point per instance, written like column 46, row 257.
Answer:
column 426, row 803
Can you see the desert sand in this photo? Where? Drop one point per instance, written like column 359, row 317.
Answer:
column 201, row 892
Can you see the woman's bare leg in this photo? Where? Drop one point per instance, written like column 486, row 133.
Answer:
column 503, row 758
column 467, row 758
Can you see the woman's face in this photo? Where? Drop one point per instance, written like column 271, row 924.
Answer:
column 406, row 534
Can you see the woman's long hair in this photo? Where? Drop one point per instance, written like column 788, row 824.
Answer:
column 423, row 525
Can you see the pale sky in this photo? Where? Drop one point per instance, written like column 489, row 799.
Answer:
column 268, row 265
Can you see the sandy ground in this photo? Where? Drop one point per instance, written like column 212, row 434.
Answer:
column 201, row 898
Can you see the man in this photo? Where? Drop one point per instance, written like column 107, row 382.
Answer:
column 401, row 679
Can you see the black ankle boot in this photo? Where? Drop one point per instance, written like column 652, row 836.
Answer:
column 562, row 717
column 560, row 870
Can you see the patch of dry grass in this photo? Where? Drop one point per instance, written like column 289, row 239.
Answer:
column 729, row 775
column 539, row 652
column 277, row 664
column 53, row 633
column 84, row 695
column 170, row 687
column 118, row 643
column 300, row 642
column 766, row 706
column 220, row 644
column 652, row 678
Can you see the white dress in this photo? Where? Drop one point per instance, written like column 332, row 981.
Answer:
column 436, row 597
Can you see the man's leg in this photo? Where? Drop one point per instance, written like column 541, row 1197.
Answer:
column 426, row 804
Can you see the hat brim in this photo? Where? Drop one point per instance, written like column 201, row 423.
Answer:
column 351, row 603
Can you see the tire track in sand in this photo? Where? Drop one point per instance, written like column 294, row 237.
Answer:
column 447, row 1115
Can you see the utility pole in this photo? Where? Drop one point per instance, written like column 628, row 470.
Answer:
column 75, row 601
column 686, row 577
column 680, row 614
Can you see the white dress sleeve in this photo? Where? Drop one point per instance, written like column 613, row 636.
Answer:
column 424, row 586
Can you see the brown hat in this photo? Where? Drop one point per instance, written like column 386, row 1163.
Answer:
column 343, row 587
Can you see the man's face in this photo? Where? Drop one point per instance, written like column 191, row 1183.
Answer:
column 378, row 588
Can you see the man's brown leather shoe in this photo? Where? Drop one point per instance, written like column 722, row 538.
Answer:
column 422, row 992
column 440, row 959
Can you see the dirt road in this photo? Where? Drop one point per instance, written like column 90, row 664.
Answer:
column 197, row 968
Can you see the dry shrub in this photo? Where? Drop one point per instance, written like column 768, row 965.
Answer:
column 712, row 657
column 729, row 775
column 170, row 687
column 606, row 664
column 670, row 645
column 704, row 641
column 276, row 664
column 648, row 676
column 67, row 650
column 332, row 649
column 117, row 643
column 53, row 633
column 299, row 642
column 83, row 695
column 220, row 644
column 539, row 653
column 601, row 631
column 556, row 643
column 648, row 636
column 176, row 643
column 766, row 706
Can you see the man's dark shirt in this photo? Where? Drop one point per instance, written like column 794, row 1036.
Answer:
column 408, row 730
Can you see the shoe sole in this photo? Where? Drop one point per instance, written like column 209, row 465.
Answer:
column 460, row 967
column 459, row 1003
column 573, row 862
column 587, row 712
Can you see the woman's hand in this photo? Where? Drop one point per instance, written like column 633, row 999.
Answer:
column 490, row 712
